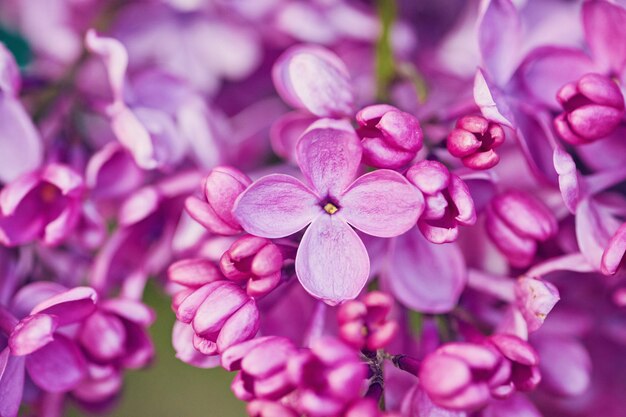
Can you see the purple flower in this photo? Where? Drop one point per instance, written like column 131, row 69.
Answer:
column 364, row 324
column 315, row 79
column 329, row 377
column 593, row 108
column 474, row 139
column 221, row 188
column 390, row 138
column 535, row 298
column 516, row 221
column 448, row 201
column 331, row 262
column 44, row 204
column 255, row 261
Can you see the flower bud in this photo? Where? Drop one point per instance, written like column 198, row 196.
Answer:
column 221, row 314
column 524, row 373
column 516, row 221
column 255, row 261
column 221, row 188
column 390, row 138
column 263, row 365
column 474, row 140
column 261, row 408
column 364, row 324
column 593, row 108
column 329, row 377
column 448, row 201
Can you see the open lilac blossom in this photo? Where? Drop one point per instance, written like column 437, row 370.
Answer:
column 44, row 204
column 448, row 201
column 474, row 139
column 390, row 138
column 331, row 262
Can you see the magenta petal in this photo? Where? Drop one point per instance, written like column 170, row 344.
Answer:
column 57, row 367
column 491, row 101
column 32, row 333
column 11, row 383
column 286, row 131
column 275, row 206
column 9, row 73
column 382, row 203
column 131, row 310
column 329, row 158
column 315, row 79
column 594, row 227
column 241, row 326
column 21, row 147
column 70, row 306
column 115, row 58
column 565, row 365
column 332, row 263
column 614, row 253
column 605, row 27
column 569, row 183
column 424, row 276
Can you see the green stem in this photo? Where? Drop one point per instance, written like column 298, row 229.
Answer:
column 385, row 63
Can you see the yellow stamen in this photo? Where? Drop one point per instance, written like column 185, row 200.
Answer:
column 330, row 208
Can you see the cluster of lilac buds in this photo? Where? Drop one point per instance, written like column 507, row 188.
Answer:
column 358, row 209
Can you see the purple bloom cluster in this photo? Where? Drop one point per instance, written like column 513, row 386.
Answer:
column 396, row 209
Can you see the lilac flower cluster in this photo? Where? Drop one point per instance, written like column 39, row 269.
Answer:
column 396, row 209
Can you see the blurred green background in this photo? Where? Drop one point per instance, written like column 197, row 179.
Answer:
column 171, row 388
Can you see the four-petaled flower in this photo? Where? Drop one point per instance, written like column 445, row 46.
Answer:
column 332, row 262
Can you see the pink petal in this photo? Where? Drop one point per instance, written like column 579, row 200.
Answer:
column 57, row 367
column 569, row 183
column 9, row 73
column 115, row 59
column 605, row 27
column 499, row 36
column 241, row 326
column 70, row 306
column 614, row 253
column 424, row 276
column 182, row 340
column 276, row 206
column 329, row 158
column 21, row 147
column 491, row 100
column 594, row 227
column 32, row 333
column 332, row 263
column 315, row 79
column 286, row 131
column 381, row 203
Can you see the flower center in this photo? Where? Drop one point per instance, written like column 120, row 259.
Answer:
column 330, row 208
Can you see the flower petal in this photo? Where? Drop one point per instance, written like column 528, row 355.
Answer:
column 332, row 263
column 329, row 158
column 382, row 203
column 276, row 206
column 57, row 367
column 605, row 25
column 11, row 383
column 424, row 276
column 32, row 333
column 315, row 79
column 70, row 306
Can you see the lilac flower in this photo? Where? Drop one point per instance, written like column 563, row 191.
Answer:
column 390, row 138
column 516, row 221
column 331, row 262
column 474, row 139
column 255, row 261
column 221, row 188
column 448, row 201
column 329, row 377
column 364, row 324
column 535, row 299
column 613, row 256
column 44, row 204
column 37, row 343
